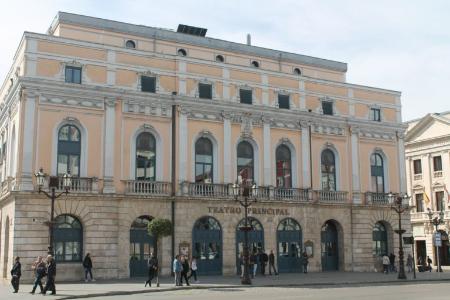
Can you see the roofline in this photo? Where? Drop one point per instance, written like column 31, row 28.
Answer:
column 165, row 34
column 437, row 114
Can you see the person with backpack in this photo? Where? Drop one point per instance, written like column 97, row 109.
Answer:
column 16, row 272
column 87, row 264
column 39, row 270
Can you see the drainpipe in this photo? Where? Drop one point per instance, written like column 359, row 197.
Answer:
column 174, row 184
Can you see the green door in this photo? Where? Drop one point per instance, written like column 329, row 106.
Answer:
column 141, row 246
column 289, row 237
column 330, row 255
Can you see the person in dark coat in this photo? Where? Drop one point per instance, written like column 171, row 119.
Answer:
column 272, row 263
column 185, row 269
column 392, row 262
column 39, row 269
column 305, row 262
column 263, row 259
column 51, row 274
column 152, row 269
column 87, row 264
column 16, row 272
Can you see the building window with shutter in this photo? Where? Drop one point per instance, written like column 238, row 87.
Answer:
column 283, row 101
column 205, row 91
column 246, row 96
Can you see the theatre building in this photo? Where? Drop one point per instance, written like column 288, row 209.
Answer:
column 160, row 123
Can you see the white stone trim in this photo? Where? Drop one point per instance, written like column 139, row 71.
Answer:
column 182, row 146
column 148, row 74
column 356, row 184
column 306, row 160
column 109, row 144
column 227, row 166
column 215, row 145
column 294, row 165
column 84, row 145
column 255, row 158
column 337, row 161
column 28, row 143
column 159, row 151
column 267, row 155
column 401, row 163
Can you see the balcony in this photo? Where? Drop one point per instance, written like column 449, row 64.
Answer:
column 207, row 190
column 437, row 174
column 147, row 188
column 417, row 177
column 80, row 185
column 330, row 196
column 376, row 198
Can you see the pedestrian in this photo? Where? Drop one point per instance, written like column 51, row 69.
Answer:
column 194, row 269
column 429, row 262
column 272, row 263
column 392, row 262
column 16, row 272
column 87, row 265
column 176, row 268
column 409, row 263
column 184, row 269
column 263, row 258
column 51, row 273
column 152, row 269
column 39, row 272
column 242, row 263
column 386, row 264
column 253, row 263
column 305, row 262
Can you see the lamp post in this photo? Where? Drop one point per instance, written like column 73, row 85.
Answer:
column 40, row 180
column 436, row 220
column 399, row 207
column 245, row 190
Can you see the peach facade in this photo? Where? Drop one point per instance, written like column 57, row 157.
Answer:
column 110, row 110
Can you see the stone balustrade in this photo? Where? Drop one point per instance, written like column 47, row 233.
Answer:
column 377, row 198
column 147, row 188
column 330, row 196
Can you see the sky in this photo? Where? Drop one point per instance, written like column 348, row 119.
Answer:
column 397, row 45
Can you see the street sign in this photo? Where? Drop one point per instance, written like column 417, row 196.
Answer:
column 437, row 239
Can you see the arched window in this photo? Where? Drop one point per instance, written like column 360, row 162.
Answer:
column 245, row 161
column 69, row 150
column 379, row 240
column 68, row 238
column 253, row 223
column 207, row 223
column 145, row 156
column 203, row 160
column 288, row 225
column 328, row 167
column 283, row 165
column 377, row 173
column 130, row 44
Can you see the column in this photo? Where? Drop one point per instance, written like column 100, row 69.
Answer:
column 226, row 84
column 401, row 161
column 356, row 184
column 267, row 157
column 302, row 100
column 27, row 171
column 306, row 159
column 227, row 149
column 182, row 145
column 265, row 89
column 109, row 136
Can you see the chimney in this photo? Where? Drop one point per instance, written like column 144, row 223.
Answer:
column 249, row 39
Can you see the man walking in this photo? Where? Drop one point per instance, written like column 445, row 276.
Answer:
column 386, row 263
column 39, row 269
column 263, row 258
column 176, row 268
column 16, row 272
column 51, row 273
column 272, row 263
column 152, row 265
column 392, row 262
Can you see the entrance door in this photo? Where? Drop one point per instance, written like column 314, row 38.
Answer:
column 444, row 250
column 329, row 238
column 421, row 250
column 207, row 246
column 255, row 239
column 141, row 246
column 289, row 237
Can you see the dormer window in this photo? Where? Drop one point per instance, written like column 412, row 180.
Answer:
column 327, row 107
column 130, row 44
column 297, row 71
column 182, row 52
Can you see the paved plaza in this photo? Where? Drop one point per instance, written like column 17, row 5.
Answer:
column 293, row 286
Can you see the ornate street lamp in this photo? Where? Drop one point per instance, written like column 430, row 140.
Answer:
column 436, row 220
column 400, row 204
column 245, row 191
column 53, row 184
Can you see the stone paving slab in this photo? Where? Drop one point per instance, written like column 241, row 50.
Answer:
column 80, row 290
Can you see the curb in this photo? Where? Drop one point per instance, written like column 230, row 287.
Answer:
column 289, row 285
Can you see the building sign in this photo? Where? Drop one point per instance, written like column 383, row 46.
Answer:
column 251, row 211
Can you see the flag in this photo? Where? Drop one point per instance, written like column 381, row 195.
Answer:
column 448, row 195
column 427, row 200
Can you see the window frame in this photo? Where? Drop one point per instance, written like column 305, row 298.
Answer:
column 242, row 91
column 375, row 114
column 417, row 166
column 204, row 164
column 284, row 97
column 325, row 111
column 151, row 161
column 239, row 168
column 378, row 237
column 419, row 202
column 284, row 170
column 72, row 69
column 154, row 78
column 377, row 171
column 437, row 163
column 328, row 173
column 68, row 148
column 131, row 42
column 66, row 235
column 205, row 84
column 440, row 202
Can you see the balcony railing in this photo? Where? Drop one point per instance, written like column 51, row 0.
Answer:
column 209, row 190
column 377, row 198
column 80, row 185
column 330, row 196
column 417, row 176
column 148, row 188
column 292, row 194
column 437, row 174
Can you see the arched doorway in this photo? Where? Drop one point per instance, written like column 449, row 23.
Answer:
column 289, row 238
column 255, row 238
column 207, row 246
column 330, row 246
column 6, row 249
column 141, row 245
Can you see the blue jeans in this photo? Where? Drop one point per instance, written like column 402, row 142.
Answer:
column 37, row 281
column 86, row 272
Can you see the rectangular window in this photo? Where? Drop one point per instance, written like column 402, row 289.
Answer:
column 419, row 202
column 148, row 84
column 375, row 114
column 417, row 166
column 205, row 91
column 440, row 201
column 283, row 101
column 327, row 107
column 246, row 96
column 73, row 74
column 437, row 163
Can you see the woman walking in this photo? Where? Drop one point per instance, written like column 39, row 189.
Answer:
column 194, row 269
column 16, row 272
column 39, row 270
column 87, row 264
column 51, row 274
column 152, row 269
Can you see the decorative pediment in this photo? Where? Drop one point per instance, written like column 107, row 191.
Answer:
column 429, row 127
column 418, row 187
